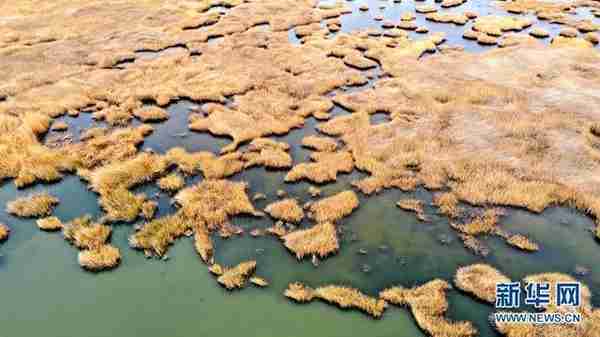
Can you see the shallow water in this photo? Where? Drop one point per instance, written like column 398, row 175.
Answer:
column 45, row 292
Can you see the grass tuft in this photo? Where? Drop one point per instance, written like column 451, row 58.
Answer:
column 320, row 240
column 50, row 224
column 287, row 210
column 237, row 276
column 334, row 208
column 34, row 205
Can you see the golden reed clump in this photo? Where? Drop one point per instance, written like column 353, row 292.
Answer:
column 172, row 182
column 320, row 240
column 319, row 143
column 99, row 258
column 34, row 205
column 267, row 153
column 49, row 224
column 4, row 232
column 413, row 205
column 203, row 244
column 214, row 201
column 237, row 276
column 287, row 210
column 343, row 297
column 479, row 280
column 334, row 208
column 151, row 114
column 155, row 236
column 85, row 234
column 324, row 168
column 259, row 281
column 428, row 304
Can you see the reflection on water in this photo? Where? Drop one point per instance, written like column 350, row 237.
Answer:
column 45, row 292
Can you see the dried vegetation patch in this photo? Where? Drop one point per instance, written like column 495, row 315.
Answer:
column 479, row 280
column 428, row 304
column 287, row 210
column 34, row 205
column 236, row 277
column 334, row 208
column 343, row 297
column 319, row 240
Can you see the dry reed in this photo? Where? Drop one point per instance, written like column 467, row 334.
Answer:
column 50, row 224
column 172, row 182
column 522, row 242
column 413, row 205
column 156, row 235
column 324, row 168
column 237, row 276
column 318, row 143
column 268, row 153
column 479, row 280
column 320, row 240
column 428, row 304
column 4, row 232
column 85, row 234
column 151, row 114
column 286, row 210
column 99, row 258
column 34, row 205
column 203, row 244
column 259, row 281
column 334, row 208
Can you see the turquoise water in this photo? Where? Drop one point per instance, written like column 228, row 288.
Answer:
column 44, row 291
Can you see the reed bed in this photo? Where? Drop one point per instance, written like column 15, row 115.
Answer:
column 299, row 292
column 479, row 280
column 448, row 204
column 428, row 305
column 50, row 224
column 100, row 258
column 287, row 210
column 522, row 242
column 237, row 276
column 85, row 234
column 343, row 297
column 473, row 244
column 267, row 153
column 259, row 282
column 319, row 240
column 156, row 236
column 34, row 205
column 216, row 269
column 4, row 232
column 413, row 205
column 324, row 168
column 151, row 114
column 212, row 167
column 203, row 244
column 319, row 143
column 486, row 223
column 334, row 208
column 278, row 229
column 187, row 163
column 214, row 201
column 172, row 182
column 149, row 208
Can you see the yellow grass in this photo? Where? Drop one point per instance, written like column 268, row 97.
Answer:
column 237, row 276
column 34, row 205
column 268, row 153
column 156, row 235
column 85, row 234
column 286, row 210
column 259, row 281
column 278, row 229
column 203, row 244
column 479, row 280
column 149, row 208
column 99, row 258
column 151, row 114
column 216, row 269
column 4, row 232
column 485, row 223
column 320, row 240
column 343, row 297
column 324, row 168
column 214, row 201
column 428, row 304
column 413, row 205
column 172, row 182
column 50, row 224
column 334, row 208
column 522, row 242
column 448, row 204
column 319, row 143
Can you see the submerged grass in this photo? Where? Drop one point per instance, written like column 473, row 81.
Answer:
column 34, row 205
